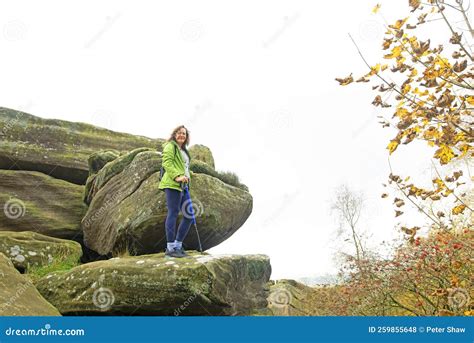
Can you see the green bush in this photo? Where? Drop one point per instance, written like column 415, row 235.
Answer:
column 229, row 178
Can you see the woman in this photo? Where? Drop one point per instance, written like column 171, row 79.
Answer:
column 175, row 161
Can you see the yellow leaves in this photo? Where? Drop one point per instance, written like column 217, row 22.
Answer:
column 398, row 24
column 431, row 133
column 444, row 154
column 413, row 73
column 464, row 148
column 439, row 183
column 402, row 112
column 401, row 103
column 395, row 53
column 392, row 146
column 415, row 191
column 386, row 43
column 414, row 4
column 423, row 93
column 459, row 137
column 376, row 69
column 458, row 209
column 470, row 100
column 376, row 8
column 406, row 88
column 345, row 81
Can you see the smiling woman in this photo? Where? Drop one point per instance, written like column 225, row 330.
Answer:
column 176, row 175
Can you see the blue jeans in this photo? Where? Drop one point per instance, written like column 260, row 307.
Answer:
column 174, row 202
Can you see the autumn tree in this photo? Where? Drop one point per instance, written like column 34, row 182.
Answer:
column 427, row 87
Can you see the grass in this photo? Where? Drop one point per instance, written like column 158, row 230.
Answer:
column 61, row 263
column 229, row 178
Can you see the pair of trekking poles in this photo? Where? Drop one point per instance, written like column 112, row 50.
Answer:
column 187, row 197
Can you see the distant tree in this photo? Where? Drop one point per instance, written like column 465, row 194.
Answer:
column 348, row 206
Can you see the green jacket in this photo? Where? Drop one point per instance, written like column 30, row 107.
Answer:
column 173, row 163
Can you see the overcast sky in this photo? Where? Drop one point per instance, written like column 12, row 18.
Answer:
column 252, row 80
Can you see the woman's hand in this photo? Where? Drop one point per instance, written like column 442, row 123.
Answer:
column 182, row 178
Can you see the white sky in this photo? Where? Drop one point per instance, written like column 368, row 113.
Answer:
column 252, row 80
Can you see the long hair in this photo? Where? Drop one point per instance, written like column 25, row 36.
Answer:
column 186, row 142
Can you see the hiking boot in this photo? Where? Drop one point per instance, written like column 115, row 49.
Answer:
column 183, row 252
column 175, row 253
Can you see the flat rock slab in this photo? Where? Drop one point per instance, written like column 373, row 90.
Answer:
column 159, row 285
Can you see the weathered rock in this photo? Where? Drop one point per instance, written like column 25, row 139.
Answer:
column 97, row 180
column 33, row 201
column 127, row 210
column 18, row 296
column 99, row 159
column 202, row 153
column 290, row 298
column 156, row 285
column 56, row 147
column 27, row 249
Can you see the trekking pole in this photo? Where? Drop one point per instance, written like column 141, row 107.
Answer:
column 188, row 196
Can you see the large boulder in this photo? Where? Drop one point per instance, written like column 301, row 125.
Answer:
column 33, row 201
column 30, row 249
column 18, row 295
column 127, row 211
column 290, row 298
column 202, row 153
column 157, row 285
column 56, row 147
